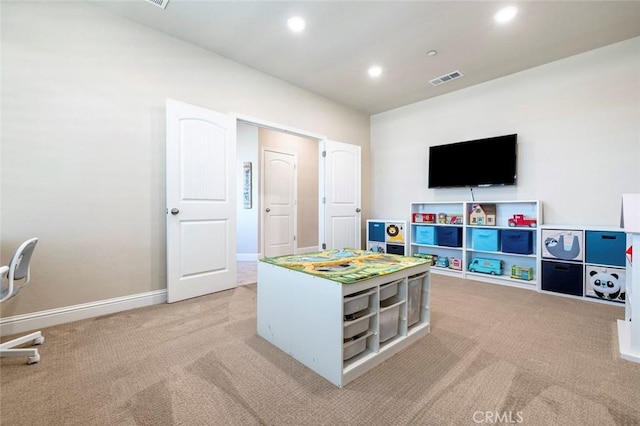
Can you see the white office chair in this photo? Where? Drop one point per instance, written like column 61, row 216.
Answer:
column 18, row 269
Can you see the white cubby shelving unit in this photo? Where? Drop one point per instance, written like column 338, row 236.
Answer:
column 458, row 220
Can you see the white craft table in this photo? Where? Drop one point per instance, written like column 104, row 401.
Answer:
column 303, row 314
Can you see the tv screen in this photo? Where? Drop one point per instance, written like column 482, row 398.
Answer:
column 480, row 162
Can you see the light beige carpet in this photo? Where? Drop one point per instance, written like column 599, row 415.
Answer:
column 495, row 355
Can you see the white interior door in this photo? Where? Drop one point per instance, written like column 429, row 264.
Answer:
column 201, row 207
column 279, row 202
column 340, row 170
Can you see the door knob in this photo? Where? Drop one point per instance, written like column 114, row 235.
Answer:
column 358, row 210
column 174, row 211
column 268, row 210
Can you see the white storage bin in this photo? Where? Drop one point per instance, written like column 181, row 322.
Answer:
column 354, row 347
column 357, row 325
column 356, row 302
column 388, row 319
column 414, row 298
column 388, row 290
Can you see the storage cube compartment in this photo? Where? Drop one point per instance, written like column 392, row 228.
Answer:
column 485, row 239
column 562, row 277
column 359, row 324
column 605, row 248
column 605, row 283
column 562, row 244
column 376, row 247
column 519, row 242
column 426, row 235
column 388, row 290
column 449, row 236
column 389, row 319
column 376, row 231
column 356, row 302
column 354, row 346
column 395, row 249
column 414, row 296
column 394, row 232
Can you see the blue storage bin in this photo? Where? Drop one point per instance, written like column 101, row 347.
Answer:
column 426, row 235
column 449, row 236
column 520, row 242
column 485, row 239
column 562, row 277
column 605, row 248
column 376, row 231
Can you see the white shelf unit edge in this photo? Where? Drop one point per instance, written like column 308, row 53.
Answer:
column 302, row 315
column 504, row 210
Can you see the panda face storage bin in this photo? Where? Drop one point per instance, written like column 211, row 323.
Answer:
column 605, row 283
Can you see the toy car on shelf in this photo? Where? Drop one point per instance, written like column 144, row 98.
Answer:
column 521, row 220
column 442, row 262
column 486, row 266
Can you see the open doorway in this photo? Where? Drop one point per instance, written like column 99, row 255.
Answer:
column 254, row 139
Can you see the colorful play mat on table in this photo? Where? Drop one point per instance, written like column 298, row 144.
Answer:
column 346, row 266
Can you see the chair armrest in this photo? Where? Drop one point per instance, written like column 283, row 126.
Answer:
column 3, row 272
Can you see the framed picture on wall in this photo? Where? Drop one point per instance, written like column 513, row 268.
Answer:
column 246, row 188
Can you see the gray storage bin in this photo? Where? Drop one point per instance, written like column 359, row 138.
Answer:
column 389, row 290
column 358, row 325
column 356, row 302
column 414, row 298
column 354, row 347
column 389, row 319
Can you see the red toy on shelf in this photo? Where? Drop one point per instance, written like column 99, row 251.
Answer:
column 520, row 220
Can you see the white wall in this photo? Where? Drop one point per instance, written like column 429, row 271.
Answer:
column 248, row 219
column 83, row 143
column 578, row 126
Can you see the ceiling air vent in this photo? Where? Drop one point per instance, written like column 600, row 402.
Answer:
column 159, row 3
column 446, row 78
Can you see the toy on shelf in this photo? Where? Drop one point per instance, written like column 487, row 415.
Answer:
column 483, row 215
column 450, row 219
column 431, row 258
column 442, row 262
column 486, row 266
column 522, row 273
column 454, row 219
column 424, row 218
column 520, row 220
column 455, row 263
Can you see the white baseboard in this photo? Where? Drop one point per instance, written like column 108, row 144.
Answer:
column 38, row 320
column 247, row 257
column 301, row 250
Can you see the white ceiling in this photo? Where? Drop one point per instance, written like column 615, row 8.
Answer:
column 342, row 39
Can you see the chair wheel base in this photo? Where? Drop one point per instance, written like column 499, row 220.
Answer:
column 33, row 359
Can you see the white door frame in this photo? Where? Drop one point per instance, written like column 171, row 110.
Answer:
column 241, row 118
column 295, row 190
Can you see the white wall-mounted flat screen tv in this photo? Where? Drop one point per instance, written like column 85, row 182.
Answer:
column 480, row 162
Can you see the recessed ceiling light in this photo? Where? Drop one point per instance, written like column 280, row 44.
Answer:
column 375, row 71
column 432, row 53
column 506, row 14
column 296, row 24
